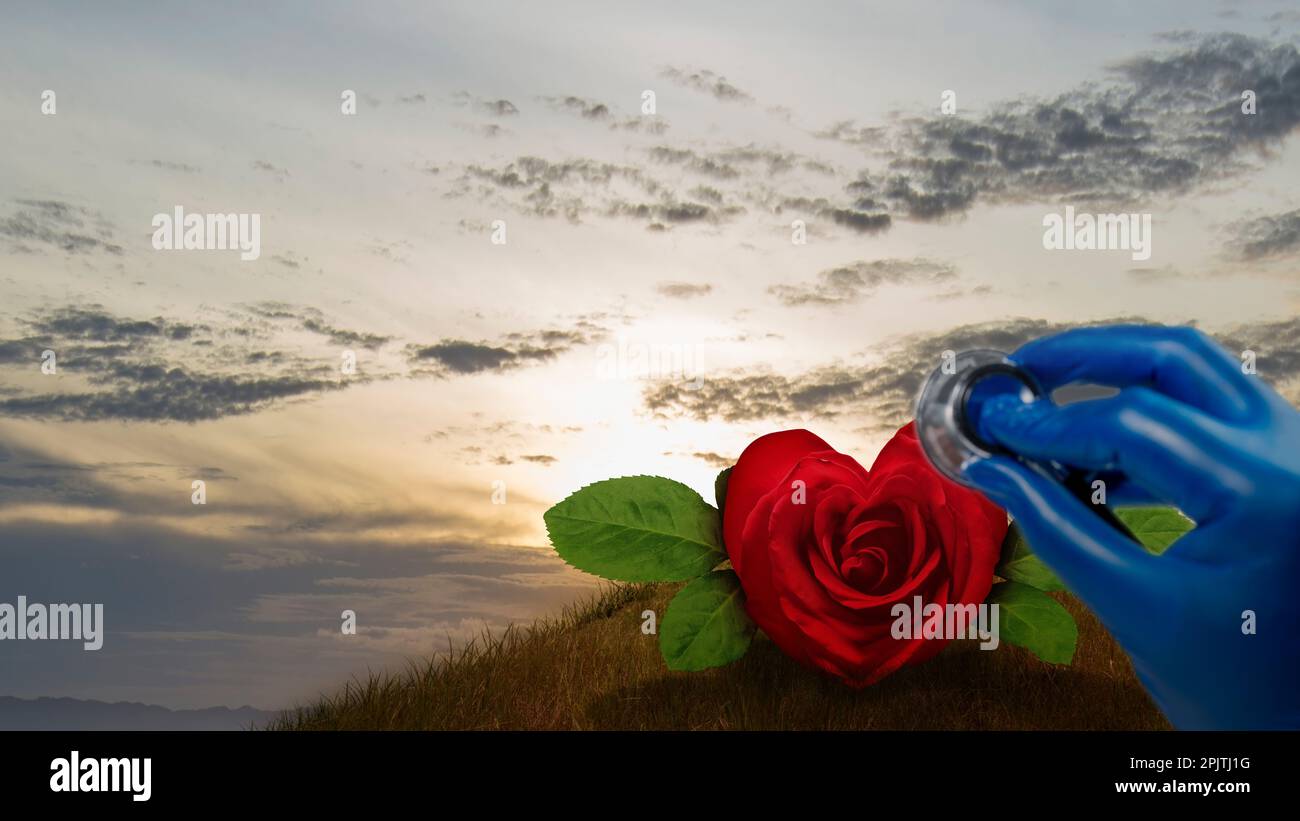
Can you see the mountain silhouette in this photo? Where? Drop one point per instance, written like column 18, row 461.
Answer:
column 78, row 714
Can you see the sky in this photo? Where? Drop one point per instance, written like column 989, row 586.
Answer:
column 650, row 311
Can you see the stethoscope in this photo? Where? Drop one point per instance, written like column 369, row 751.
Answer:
column 950, row 437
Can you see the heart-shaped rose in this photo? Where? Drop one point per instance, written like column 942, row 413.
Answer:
column 825, row 549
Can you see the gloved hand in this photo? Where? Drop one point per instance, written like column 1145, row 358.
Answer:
column 1188, row 428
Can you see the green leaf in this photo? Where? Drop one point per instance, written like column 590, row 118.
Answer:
column 720, row 489
column 1157, row 527
column 637, row 529
column 706, row 624
column 1019, row 564
column 1030, row 618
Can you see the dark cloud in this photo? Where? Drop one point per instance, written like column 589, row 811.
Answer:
column 880, row 394
column 1267, row 237
column 705, row 166
column 672, row 211
column 707, row 194
column 94, row 324
column 313, row 321
column 496, row 108
column 342, row 336
column 540, row 459
column 157, row 393
column 1161, row 124
column 706, row 82
column 1277, row 352
column 716, row 460
column 654, row 125
column 849, row 283
column 587, row 109
column 533, row 172
column 157, row 370
column 544, row 188
column 580, row 187
column 1165, row 123
column 68, row 227
column 734, row 162
column 847, row 131
column 860, row 221
column 501, row 108
column 683, row 290
column 460, row 357
column 869, row 221
column 253, row 617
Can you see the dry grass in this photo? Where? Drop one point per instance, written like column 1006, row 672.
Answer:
column 592, row 668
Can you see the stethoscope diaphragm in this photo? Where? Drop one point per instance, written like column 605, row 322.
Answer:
column 947, row 422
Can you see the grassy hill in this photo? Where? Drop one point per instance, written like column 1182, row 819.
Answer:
column 592, row 668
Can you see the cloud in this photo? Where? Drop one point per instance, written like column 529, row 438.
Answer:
column 683, row 290
column 562, row 188
column 712, row 459
column 587, row 109
column 156, row 393
column 879, row 394
column 862, row 222
column 183, row 168
column 648, row 124
column 263, row 165
column 159, row 370
column 1266, row 237
column 706, row 82
column 68, row 227
column 30, row 477
column 342, row 336
column 94, row 325
column 849, row 283
column 846, row 131
column 670, row 210
column 255, row 618
column 461, row 357
column 532, row 172
column 486, row 130
column 736, row 161
column 578, row 188
column 495, row 108
column 313, row 321
column 1166, row 123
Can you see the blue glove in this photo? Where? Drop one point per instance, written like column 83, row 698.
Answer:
column 1189, row 428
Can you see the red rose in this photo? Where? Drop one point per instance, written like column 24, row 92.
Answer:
column 824, row 562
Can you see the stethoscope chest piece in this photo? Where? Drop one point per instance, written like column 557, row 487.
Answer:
column 946, row 410
column 947, row 422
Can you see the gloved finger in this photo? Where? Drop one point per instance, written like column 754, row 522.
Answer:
column 1176, row 452
column 1181, row 363
column 1107, row 570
